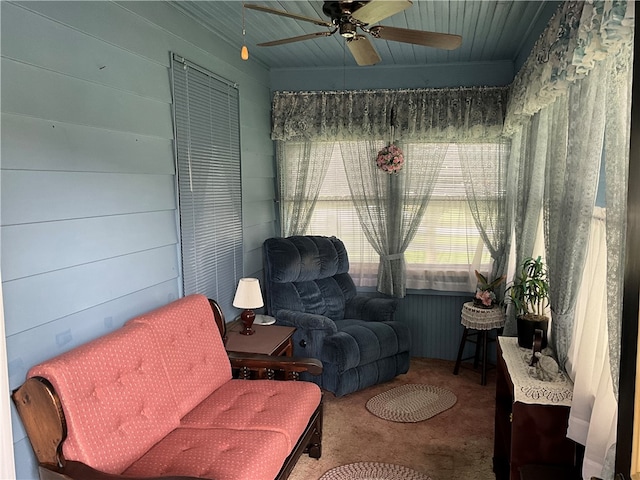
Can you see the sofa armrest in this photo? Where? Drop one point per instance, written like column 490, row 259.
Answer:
column 80, row 471
column 306, row 321
column 43, row 418
column 291, row 366
column 378, row 309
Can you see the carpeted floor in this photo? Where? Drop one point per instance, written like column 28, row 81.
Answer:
column 456, row 444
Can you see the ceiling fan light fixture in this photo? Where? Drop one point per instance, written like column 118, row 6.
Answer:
column 348, row 30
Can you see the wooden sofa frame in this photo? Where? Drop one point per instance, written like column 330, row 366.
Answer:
column 41, row 412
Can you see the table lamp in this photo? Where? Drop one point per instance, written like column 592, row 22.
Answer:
column 248, row 296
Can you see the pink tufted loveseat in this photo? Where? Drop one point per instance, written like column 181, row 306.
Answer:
column 156, row 399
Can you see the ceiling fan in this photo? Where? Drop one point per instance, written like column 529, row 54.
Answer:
column 348, row 17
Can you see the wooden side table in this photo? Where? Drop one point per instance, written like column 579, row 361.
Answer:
column 267, row 339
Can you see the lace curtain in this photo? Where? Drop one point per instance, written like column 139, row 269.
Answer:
column 526, row 189
column 616, row 152
column 390, row 206
column 593, row 415
column 389, row 209
column 301, row 171
column 579, row 38
column 575, row 144
column 485, row 182
column 616, row 147
column 439, row 115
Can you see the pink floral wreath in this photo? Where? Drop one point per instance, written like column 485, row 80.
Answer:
column 390, row 159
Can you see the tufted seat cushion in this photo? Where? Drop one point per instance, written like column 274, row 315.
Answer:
column 190, row 347
column 112, row 422
column 205, row 453
column 258, row 405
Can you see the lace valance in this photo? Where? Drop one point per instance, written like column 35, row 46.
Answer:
column 578, row 35
column 432, row 114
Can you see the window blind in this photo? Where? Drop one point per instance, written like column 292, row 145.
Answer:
column 207, row 146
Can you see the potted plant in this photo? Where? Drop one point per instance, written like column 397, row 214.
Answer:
column 529, row 294
column 485, row 296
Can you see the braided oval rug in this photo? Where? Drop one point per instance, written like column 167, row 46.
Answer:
column 411, row 403
column 373, row 471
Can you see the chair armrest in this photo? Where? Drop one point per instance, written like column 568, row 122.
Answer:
column 306, row 321
column 256, row 361
column 311, row 331
column 79, row 471
column 378, row 309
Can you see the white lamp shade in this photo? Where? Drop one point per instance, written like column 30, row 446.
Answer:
column 248, row 294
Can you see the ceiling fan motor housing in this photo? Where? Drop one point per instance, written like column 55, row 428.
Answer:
column 340, row 11
column 348, row 30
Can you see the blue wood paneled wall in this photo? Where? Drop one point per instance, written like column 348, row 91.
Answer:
column 88, row 204
column 434, row 321
column 88, row 207
column 423, row 76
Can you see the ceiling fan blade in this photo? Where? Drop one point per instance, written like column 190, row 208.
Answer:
column 300, row 38
column 282, row 13
column 363, row 50
column 377, row 10
column 446, row 41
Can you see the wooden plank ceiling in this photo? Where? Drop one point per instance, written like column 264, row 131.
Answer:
column 491, row 30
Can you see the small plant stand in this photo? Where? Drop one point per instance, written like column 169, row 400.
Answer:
column 478, row 322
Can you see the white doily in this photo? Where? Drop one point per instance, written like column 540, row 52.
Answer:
column 480, row 318
column 531, row 390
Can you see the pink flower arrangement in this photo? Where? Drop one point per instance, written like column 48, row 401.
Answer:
column 390, row 159
column 486, row 297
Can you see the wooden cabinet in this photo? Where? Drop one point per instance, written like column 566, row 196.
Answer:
column 527, row 432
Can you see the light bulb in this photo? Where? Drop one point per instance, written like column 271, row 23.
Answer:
column 244, row 53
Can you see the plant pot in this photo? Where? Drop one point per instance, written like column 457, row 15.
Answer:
column 479, row 304
column 527, row 325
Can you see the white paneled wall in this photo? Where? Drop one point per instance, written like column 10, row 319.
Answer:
column 87, row 180
column 7, row 467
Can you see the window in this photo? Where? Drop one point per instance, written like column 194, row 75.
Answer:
column 206, row 120
column 447, row 247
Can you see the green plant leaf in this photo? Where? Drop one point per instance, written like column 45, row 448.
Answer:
column 529, row 291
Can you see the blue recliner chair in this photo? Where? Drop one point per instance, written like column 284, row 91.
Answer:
column 308, row 287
